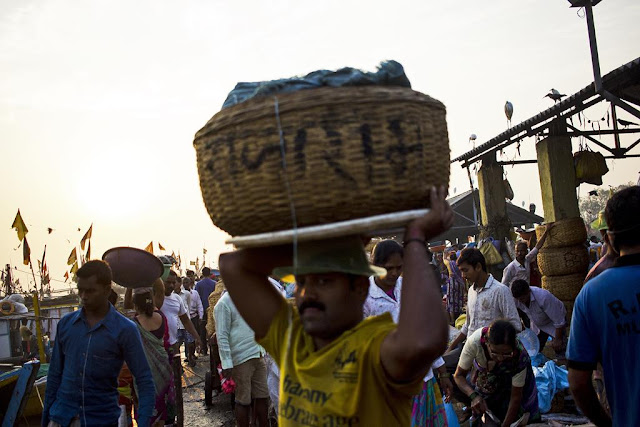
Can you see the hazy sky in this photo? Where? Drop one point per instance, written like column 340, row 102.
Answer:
column 99, row 100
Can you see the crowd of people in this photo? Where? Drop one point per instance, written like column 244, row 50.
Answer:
column 365, row 339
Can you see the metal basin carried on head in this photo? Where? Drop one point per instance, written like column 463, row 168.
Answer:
column 132, row 267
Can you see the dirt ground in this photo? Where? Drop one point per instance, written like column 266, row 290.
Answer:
column 196, row 414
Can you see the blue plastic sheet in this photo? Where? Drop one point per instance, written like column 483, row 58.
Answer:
column 538, row 360
column 452, row 418
column 550, row 379
column 390, row 73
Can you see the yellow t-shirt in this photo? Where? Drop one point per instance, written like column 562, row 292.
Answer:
column 342, row 384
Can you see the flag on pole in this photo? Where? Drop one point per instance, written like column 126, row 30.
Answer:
column 43, row 267
column 20, row 226
column 26, row 252
column 89, row 251
column 86, row 237
column 204, row 251
column 149, row 247
column 66, row 276
column 74, row 268
column 161, row 247
column 192, row 263
column 73, row 257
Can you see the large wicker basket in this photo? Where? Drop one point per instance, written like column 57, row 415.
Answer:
column 562, row 261
column 350, row 153
column 566, row 232
column 565, row 287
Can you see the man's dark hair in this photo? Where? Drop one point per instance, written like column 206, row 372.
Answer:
column 453, row 256
column 384, row 250
column 501, row 332
column 473, row 257
column 519, row 288
column 623, row 218
column 97, row 268
column 206, row 272
column 522, row 243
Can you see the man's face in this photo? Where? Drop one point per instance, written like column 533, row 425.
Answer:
column 470, row 273
column 394, row 270
column 178, row 286
column 521, row 252
column 328, row 303
column 186, row 283
column 93, row 295
column 169, row 285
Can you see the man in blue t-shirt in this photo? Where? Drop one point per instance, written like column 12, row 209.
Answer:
column 204, row 288
column 606, row 322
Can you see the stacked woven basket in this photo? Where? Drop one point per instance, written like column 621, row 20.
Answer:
column 563, row 260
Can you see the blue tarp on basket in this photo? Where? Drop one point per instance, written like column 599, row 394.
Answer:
column 390, row 73
column 549, row 379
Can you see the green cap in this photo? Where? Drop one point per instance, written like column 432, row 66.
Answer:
column 337, row 255
column 600, row 223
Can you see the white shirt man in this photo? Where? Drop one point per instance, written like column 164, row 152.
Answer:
column 519, row 271
column 488, row 303
column 185, row 296
column 195, row 305
column 172, row 308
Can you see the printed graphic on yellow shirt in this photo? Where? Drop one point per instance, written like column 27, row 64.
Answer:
column 346, row 365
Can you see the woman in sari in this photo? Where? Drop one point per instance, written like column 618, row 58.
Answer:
column 502, row 381
column 155, row 341
column 456, row 288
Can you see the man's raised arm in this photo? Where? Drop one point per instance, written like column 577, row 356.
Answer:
column 245, row 274
column 422, row 332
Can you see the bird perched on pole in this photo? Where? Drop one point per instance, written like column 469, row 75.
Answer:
column 625, row 123
column 508, row 111
column 555, row 95
column 473, row 138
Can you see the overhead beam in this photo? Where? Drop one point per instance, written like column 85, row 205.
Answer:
column 534, row 161
column 543, row 123
column 592, row 139
column 579, row 132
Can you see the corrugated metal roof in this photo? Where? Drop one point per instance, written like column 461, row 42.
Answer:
column 615, row 82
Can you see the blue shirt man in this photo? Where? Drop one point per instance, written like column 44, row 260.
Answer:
column 605, row 326
column 205, row 286
column 90, row 347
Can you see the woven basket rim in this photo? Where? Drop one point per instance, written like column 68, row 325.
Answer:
column 260, row 107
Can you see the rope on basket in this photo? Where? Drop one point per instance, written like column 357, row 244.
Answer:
column 287, row 186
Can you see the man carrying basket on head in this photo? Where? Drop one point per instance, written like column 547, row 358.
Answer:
column 336, row 368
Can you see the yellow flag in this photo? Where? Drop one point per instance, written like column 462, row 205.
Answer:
column 204, row 251
column 19, row 225
column 74, row 268
column 86, row 237
column 149, row 247
column 73, row 257
column 26, row 252
column 89, row 252
column 160, row 246
column 66, row 276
